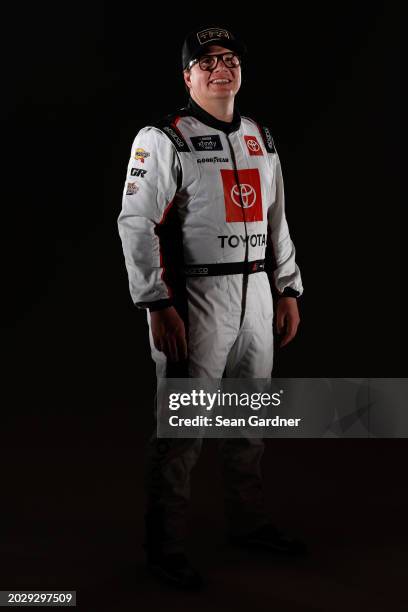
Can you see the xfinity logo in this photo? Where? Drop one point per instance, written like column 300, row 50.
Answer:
column 233, row 240
column 207, row 143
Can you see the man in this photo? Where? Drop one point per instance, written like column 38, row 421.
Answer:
column 204, row 193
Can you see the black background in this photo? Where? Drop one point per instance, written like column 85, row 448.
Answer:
column 78, row 85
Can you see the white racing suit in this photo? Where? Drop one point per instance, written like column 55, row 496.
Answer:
column 204, row 197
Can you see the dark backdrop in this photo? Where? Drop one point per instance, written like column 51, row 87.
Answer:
column 328, row 82
column 79, row 84
column 79, row 87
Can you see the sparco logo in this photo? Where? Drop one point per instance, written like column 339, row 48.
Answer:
column 233, row 240
column 174, row 135
column 198, row 271
column 269, row 139
column 248, row 195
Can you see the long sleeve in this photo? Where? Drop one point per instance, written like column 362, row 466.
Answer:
column 287, row 276
column 148, row 194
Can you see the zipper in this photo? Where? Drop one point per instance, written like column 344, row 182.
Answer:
column 245, row 274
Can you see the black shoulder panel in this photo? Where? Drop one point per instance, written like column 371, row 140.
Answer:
column 267, row 138
column 266, row 135
column 168, row 127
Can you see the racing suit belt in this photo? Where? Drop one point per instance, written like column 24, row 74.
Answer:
column 221, row 269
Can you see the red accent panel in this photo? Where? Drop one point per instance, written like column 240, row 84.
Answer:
column 166, row 212
column 253, row 146
column 164, row 271
column 251, row 195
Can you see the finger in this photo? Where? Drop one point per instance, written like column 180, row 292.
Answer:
column 182, row 346
column 290, row 333
column 172, row 348
column 285, row 340
column 280, row 322
column 162, row 345
column 158, row 344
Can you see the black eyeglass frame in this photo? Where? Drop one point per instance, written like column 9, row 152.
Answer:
column 217, row 56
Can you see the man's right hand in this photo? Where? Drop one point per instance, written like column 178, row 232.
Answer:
column 169, row 334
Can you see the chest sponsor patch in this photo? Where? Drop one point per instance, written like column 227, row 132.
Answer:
column 132, row 188
column 141, row 154
column 253, row 146
column 207, row 143
column 247, row 195
column 138, row 172
column 212, row 160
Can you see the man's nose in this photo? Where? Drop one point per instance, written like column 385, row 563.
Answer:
column 221, row 66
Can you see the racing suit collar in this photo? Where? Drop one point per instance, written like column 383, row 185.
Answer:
column 224, row 126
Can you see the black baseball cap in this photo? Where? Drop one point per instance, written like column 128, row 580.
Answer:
column 196, row 42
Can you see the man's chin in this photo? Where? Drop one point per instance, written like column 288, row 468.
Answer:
column 222, row 94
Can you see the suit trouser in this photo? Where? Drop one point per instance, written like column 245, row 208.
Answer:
column 217, row 343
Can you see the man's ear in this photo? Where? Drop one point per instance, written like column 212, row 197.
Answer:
column 187, row 78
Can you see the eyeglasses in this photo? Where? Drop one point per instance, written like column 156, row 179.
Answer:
column 210, row 62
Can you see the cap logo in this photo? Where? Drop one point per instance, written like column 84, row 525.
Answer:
column 212, row 34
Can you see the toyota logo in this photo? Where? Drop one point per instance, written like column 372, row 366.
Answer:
column 248, row 195
column 253, row 145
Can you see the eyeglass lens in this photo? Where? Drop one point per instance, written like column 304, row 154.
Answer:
column 209, row 62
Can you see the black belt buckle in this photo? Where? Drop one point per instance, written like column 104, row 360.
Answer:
column 255, row 266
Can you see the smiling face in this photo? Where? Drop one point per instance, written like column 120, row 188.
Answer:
column 220, row 83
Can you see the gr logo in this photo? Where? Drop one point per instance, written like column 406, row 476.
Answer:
column 138, row 172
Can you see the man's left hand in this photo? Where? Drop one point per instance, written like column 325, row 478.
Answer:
column 287, row 318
